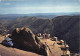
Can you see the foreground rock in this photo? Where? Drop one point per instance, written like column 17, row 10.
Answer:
column 23, row 38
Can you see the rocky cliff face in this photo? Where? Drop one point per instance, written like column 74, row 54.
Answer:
column 23, row 38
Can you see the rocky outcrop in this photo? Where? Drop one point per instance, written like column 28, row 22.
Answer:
column 24, row 38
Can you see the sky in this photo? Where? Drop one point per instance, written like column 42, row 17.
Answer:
column 38, row 6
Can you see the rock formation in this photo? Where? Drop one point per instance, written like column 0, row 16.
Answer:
column 24, row 38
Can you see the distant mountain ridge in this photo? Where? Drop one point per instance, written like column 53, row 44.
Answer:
column 38, row 15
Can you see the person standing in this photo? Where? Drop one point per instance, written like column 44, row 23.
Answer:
column 54, row 44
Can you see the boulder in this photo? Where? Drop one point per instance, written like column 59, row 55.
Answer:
column 25, row 39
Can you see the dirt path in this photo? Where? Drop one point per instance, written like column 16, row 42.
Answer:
column 8, row 51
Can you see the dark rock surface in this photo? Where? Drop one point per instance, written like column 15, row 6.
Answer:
column 23, row 38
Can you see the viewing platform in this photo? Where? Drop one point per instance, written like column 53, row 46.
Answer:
column 54, row 47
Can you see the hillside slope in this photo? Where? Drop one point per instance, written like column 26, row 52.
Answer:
column 64, row 27
column 8, row 51
column 67, row 28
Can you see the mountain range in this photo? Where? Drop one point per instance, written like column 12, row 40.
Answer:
column 64, row 27
column 38, row 15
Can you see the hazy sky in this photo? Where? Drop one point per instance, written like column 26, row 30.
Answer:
column 38, row 6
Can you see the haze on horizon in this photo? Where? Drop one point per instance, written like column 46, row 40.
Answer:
column 38, row 6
